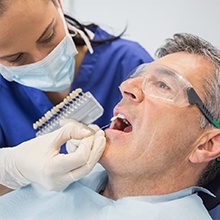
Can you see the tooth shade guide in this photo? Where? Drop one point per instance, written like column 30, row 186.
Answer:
column 56, row 109
column 77, row 105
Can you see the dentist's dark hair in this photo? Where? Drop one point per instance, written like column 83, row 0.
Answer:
column 83, row 27
column 5, row 4
column 77, row 38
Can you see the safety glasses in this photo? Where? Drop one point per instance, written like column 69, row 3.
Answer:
column 163, row 83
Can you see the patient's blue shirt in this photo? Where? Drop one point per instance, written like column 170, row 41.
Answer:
column 82, row 201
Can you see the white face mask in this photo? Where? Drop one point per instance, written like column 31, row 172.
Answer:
column 53, row 73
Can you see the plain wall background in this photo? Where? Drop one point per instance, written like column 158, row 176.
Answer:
column 150, row 22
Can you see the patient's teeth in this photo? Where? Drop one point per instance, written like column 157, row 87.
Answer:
column 118, row 116
column 113, row 118
column 121, row 116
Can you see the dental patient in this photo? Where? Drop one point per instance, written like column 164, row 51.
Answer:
column 160, row 150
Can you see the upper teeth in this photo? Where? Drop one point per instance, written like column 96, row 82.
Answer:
column 118, row 116
column 122, row 117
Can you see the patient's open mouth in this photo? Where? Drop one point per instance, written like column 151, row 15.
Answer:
column 120, row 123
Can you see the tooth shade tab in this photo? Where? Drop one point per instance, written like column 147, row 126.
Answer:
column 114, row 118
column 78, row 105
column 118, row 116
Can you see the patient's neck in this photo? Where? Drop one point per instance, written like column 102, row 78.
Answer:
column 119, row 187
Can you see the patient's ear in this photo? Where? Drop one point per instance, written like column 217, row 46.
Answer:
column 207, row 148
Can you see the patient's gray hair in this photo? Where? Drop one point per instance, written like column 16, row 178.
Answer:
column 184, row 42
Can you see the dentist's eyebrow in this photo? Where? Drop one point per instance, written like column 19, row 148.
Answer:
column 39, row 39
column 45, row 31
column 10, row 56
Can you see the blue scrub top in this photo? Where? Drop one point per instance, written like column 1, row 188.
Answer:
column 100, row 73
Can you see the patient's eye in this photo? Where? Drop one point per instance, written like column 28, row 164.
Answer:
column 162, row 85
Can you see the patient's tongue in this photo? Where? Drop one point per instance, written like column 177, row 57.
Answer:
column 128, row 129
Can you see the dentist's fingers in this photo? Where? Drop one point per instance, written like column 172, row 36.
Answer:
column 78, row 130
column 96, row 153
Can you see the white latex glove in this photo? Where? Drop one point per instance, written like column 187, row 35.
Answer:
column 73, row 144
column 39, row 161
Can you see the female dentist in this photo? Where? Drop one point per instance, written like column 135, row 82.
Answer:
column 43, row 58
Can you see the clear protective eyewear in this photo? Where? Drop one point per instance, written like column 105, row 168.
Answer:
column 165, row 84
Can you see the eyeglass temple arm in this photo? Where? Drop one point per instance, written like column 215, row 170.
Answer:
column 194, row 99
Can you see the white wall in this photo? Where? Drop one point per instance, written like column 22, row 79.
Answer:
column 150, row 22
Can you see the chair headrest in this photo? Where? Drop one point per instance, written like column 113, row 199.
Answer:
column 214, row 187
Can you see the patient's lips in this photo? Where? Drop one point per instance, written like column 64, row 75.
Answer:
column 119, row 122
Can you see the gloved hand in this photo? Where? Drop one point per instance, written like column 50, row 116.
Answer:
column 73, row 144
column 38, row 160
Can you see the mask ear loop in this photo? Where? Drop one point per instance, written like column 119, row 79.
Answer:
column 75, row 30
column 82, row 34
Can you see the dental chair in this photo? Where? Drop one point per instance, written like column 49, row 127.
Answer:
column 212, row 203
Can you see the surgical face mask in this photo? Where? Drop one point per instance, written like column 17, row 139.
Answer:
column 54, row 73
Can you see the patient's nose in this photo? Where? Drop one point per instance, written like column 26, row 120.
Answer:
column 132, row 88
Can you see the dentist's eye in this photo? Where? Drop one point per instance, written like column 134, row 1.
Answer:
column 16, row 59
column 49, row 38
